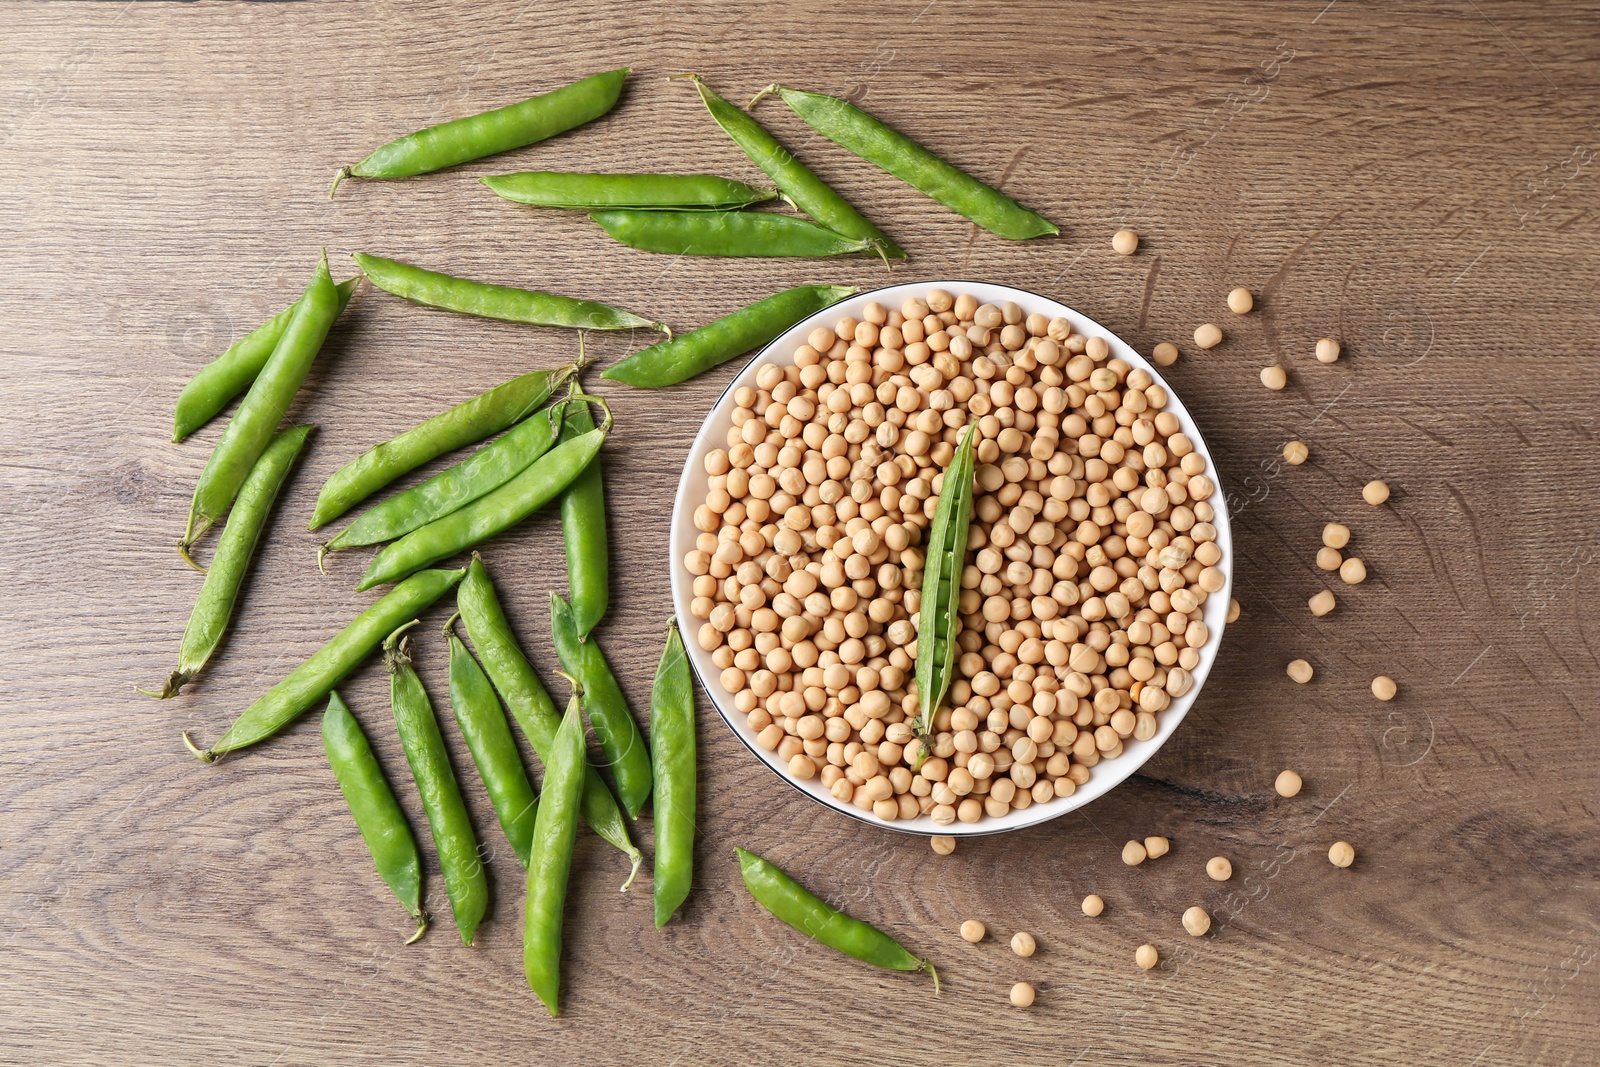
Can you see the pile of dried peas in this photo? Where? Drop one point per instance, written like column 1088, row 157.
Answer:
column 1092, row 555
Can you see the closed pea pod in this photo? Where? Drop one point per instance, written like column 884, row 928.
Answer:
column 213, row 608
column 941, row 585
column 503, row 302
column 453, row 837
column 673, row 763
column 485, row 470
column 804, row 189
column 494, row 751
column 697, row 351
column 377, row 813
column 544, row 188
column 489, row 514
column 253, row 425
column 231, row 373
column 529, row 702
column 475, row 136
column 791, row 902
column 313, row 679
column 848, row 126
column 613, row 722
column 583, row 530
column 725, row 233
column 550, row 865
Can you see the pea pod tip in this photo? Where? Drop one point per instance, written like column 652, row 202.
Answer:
column 338, row 176
column 175, row 682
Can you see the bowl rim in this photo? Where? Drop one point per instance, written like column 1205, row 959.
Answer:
column 682, row 534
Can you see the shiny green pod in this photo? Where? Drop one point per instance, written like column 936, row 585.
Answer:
column 550, row 865
column 725, row 233
column 613, row 722
column 593, row 192
column 583, row 532
column 675, row 770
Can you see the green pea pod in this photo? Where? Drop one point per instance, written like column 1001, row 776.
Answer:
column 489, row 514
column 529, row 703
column 547, row 188
column 213, row 608
column 253, row 425
column 483, row 724
column 453, row 837
column 503, row 302
column 851, row 128
column 725, row 233
column 613, row 722
column 231, row 373
column 554, row 834
column 672, row 760
column 583, row 530
column 313, row 679
column 697, row 351
column 939, row 606
column 465, row 139
column 377, row 813
column 485, row 470
column 808, row 192
column 791, row 902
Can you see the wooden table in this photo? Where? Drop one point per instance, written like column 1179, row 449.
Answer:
column 1418, row 180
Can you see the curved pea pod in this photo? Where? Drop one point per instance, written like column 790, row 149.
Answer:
column 483, row 724
column 489, row 514
column 939, row 606
column 583, row 532
column 231, row 373
column 472, row 420
column 791, row 902
column 804, row 189
column 485, row 470
column 529, row 702
column 586, row 192
column 613, row 722
column 503, row 302
column 697, row 351
column 313, row 679
column 453, row 836
column 213, row 608
column 377, row 813
column 270, row 395
column 550, row 866
column 673, row 763
column 851, row 128
column 725, row 233
column 475, row 136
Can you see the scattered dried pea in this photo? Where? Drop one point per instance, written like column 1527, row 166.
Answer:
column 1133, row 853
column 1208, row 335
column 1322, row 603
column 1240, row 301
column 1233, row 610
column 1164, row 354
column 1274, row 377
column 1022, row 994
column 1124, row 242
column 1197, row 921
column 1146, row 957
column 1353, row 571
column 1336, row 535
column 1219, row 869
column 1300, row 671
column 1383, row 687
column 1023, row 944
column 1296, row 453
column 1329, row 559
column 973, row 930
column 1327, row 350
column 1342, row 854
column 1288, row 784
column 1156, row 847
column 1375, row 492
column 1093, row 905
column 942, row 845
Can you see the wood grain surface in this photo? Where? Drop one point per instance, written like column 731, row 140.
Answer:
column 1417, row 179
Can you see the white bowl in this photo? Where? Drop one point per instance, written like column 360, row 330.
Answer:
column 692, row 493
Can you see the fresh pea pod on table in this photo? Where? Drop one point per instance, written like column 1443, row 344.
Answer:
column 849, row 127
column 494, row 751
column 943, row 561
column 213, row 608
column 270, row 395
column 555, row 831
column 725, row 233
column 586, row 192
column 749, row 328
column 804, row 189
column 313, row 679
column 583, row 531
column 529, row 702
column 231, row 373
column 475, row 136
column 489, row 514
column 503, row 302
column 486, row 469
column 372, row 802
column 673, row 763
column 471, row 420
column 453, row 836
column 613, row 722
column 795, row 905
